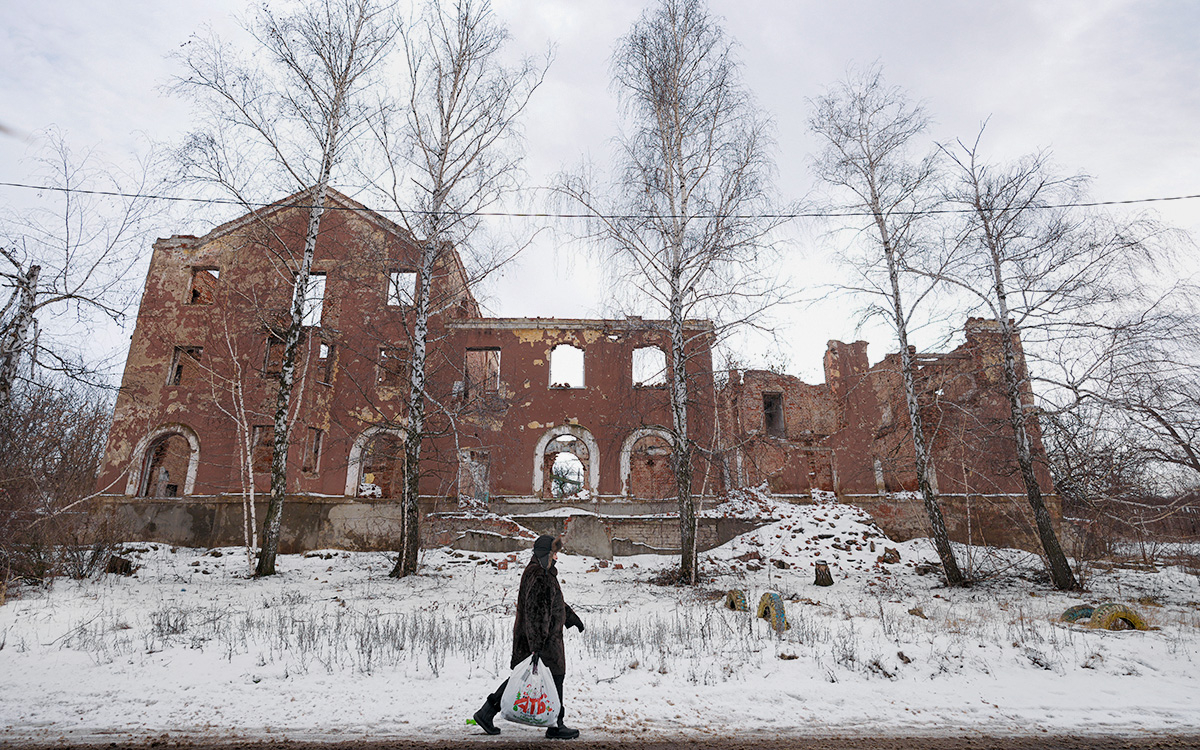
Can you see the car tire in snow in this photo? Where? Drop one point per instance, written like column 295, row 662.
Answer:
column 1078, row 612
column 735, row 599
column 770, row 608
column 1114, row 616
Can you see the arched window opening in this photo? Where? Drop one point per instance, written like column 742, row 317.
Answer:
column 649, row 366
column 566, row 367
column 166, row 466
column 382, row 467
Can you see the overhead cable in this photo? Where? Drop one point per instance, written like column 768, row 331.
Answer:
column 551, row 215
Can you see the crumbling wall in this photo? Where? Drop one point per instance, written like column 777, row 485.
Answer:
column 857, row 425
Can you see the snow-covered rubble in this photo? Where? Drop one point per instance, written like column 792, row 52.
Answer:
column 332, row 648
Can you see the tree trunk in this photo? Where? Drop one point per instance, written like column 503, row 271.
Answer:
column 282, row 438
column 410, row 509
column 13, row 344
column 933, row 509
column 1060, row 569
column 681, row 450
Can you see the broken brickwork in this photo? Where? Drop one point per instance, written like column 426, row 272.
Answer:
column 850, row 436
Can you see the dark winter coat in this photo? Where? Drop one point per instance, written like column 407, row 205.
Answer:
column 541, row 615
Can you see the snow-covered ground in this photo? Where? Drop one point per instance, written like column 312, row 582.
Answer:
column 332, row 648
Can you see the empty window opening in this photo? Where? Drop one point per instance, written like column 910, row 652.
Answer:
column 649, row 366
column 565, row 463
column 383, row 467
column 185, row 365
column 566, row 476
column 314, row 300
column 566, row 367
column 325, row 363
column 273, row 360
column 402, row 288
column 393, row 367
column 482, row 372
column 204, row 285
column 474, row 468
column 773, row 414
column 312, row 450
column 166, row 465
column 262, row 448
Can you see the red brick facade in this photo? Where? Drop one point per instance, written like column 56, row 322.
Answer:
column 204, row 349
column 199, row 391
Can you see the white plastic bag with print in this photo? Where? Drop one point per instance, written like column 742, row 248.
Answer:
column 530, row 697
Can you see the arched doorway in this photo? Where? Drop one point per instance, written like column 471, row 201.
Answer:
column 646, row 471
column 566, row 463
column 165, row 463
column 376, row 465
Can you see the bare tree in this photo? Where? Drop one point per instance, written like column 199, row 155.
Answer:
column 1153, row 382
column 1045, row 274
column 51, row 443
column 229, row 397
column 452, row 150
column 683, row 222
column 869, row 130
column 290, row 119
column 66, row 264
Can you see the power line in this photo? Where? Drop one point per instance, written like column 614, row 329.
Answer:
column 547, row 215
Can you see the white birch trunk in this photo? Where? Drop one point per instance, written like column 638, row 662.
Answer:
column 272, row 523
column 1060, row 568
column 410, row 532
column 681, row 453
column 13, row 344
column 933, row 510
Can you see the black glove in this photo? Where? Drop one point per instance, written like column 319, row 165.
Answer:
column 536, row 656
column 574, row 622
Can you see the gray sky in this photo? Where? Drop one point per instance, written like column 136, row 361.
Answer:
column 1111, row 87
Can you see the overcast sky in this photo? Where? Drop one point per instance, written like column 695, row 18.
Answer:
column 1111, row 87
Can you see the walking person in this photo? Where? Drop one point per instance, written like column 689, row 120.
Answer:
column 541, row 616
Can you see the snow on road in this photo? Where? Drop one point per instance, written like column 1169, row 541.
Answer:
column 334, row 649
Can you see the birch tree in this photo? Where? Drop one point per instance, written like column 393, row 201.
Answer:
column 868, row 131
column 66, row 263
column 1046, row 274
column 452, row 150
column 286, row 115
column 1150, row 381
column 682, row 224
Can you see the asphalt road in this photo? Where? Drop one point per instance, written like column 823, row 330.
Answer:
column 758, row 742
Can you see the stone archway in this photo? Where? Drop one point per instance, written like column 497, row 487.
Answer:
column 634, row 446
column 363, row 459
column 589, row 446
column 164, row 461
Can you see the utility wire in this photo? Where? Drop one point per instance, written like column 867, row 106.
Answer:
column 541, row 215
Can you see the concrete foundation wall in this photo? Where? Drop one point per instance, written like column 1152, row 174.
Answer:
column 347, row 523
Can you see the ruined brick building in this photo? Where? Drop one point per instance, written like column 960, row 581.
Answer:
column 528, row 414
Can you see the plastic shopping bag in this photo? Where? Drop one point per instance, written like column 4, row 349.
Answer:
column 530, row 697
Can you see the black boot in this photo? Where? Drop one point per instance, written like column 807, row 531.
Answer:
column 483, row 717
column 560, row 731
